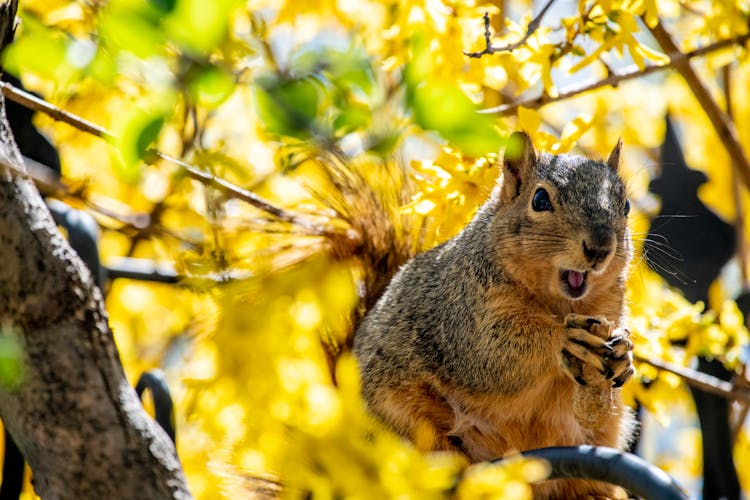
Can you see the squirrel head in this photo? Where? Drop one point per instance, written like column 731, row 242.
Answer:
column 561, row 221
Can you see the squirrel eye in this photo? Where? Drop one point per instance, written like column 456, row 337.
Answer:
column 627, row 207
column 541, row 202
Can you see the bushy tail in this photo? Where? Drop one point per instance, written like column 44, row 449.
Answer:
column 370, row 197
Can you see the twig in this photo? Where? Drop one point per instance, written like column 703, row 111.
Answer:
column 744, row 407
column 487, row 40
column 530, row 29
column 614, row 79
column 249, row 197
column 46, row 179
column 32, row 102
column 142, row 270
column 689, row 8
column 742, row 413
column 49, row 184
column 719, row 119
column 703, row 381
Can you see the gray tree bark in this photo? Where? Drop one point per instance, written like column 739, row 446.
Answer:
column 74, row 415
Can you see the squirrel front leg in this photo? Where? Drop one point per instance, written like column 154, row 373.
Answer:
column 599, row 358
column 418, row 412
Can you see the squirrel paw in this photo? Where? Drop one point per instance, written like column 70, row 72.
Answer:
column 594, row 352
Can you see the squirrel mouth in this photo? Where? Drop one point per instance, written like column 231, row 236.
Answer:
column 574, row 283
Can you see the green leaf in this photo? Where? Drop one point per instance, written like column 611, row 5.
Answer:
column 103, row 67
column 133, row 32
column 383, row 145
column 210, row 86
column 199, row 26
column 287, row 107
column 514, row 147
column 420, row 63
column 139, row 132
column 165, row 6
column 39, row 50
column 148, row 134
column 352, row 118
column 352, row 71
column 306, row 60
column 357, row 79
column 11, row 358
column 442, row 107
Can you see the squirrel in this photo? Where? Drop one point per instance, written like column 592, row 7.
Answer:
column 510, row 336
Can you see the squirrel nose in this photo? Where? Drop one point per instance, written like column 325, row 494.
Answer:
column 598, row 246
column 595, row 254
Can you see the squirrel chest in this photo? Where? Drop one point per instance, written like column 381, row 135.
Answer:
column 510, row 336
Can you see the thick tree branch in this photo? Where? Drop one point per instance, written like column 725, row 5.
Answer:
column 530, row 29
column 614, row 79
column 75, row 417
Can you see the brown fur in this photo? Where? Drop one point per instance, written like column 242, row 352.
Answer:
column 478, row 346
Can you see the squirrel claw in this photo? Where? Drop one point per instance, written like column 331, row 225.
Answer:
column 620, row 346
column 615, row 341
column 573, row 367
column 620, row 381
column 594, row 352
column 585, row 354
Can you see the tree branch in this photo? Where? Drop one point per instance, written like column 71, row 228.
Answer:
column 614, row 79
column 142, row 270
column 50, row 186
column 744, row 408
column 700, row 380
column 31, row 101
column 719, row 119
column 530, row 29
column 236, row 192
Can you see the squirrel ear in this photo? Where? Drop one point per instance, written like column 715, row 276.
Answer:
column 520, row 158
column 614, row 157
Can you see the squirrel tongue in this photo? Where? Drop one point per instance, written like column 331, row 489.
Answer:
column 575, row 279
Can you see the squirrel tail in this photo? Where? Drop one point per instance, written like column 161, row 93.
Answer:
column 370, row 198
